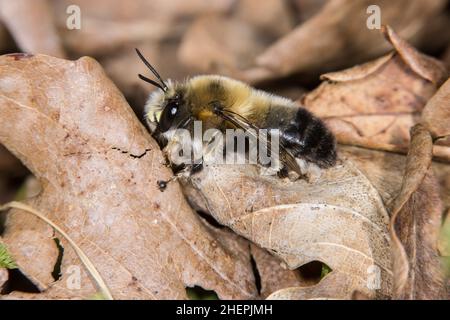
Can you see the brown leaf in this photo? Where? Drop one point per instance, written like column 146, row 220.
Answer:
column 436, row 115
column 427, row 67
column 32, row 26
column 338, row 220
column 98, row 167
column 374, row 105
column 328, row 41
column 415, row 221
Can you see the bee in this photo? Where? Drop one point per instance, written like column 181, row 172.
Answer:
column 224, row 103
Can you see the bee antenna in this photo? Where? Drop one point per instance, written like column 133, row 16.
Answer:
column 156, row 84
column 153, row 70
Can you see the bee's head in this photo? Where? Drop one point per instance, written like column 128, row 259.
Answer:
column 165, row 108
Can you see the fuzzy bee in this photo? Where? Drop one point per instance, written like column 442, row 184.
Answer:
column 220, row 102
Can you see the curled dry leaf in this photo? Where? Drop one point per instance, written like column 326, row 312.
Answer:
column 436, row 115
column 427, row 67
column 374, row 105
column 339, row 219
column 328, row 41
column 415, row 223
column 32, row 25
column 98, row 168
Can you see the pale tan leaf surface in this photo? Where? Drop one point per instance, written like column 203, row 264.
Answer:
column 339, row 219
column 415, row 224
column 98, row 168
column 32, row 25
column 328, row 40
column 381, row 168
column 374, row 105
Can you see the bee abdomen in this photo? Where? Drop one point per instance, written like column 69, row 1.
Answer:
column 307, row 137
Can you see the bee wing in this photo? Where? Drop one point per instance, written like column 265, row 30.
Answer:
column 239, row 121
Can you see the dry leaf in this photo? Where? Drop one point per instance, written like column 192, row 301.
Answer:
column 328, row 41
column 335, row 285
column 436, row 115
column 427, row 67
column 339, row 220
column 98, row 168
column 111, row 24
column 32, row 26
column 272, row 275
column 415, row 222
column 375, row 104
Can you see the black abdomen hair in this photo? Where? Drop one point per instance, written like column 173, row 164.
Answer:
column 308, row 138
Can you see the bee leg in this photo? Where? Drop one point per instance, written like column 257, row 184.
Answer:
column 197, row 167
column 271, row 170
column 184, row 173
column 312, row 172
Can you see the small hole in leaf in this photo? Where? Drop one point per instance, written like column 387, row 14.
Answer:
column 56, row 273
column 312, row 272
column 198, row 293
column 19, row 282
